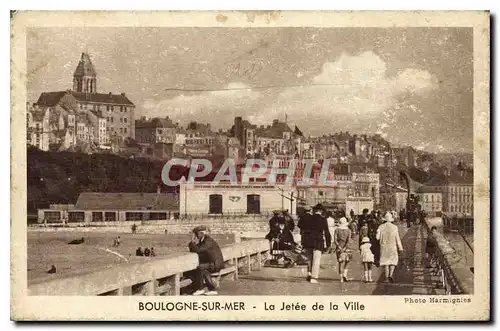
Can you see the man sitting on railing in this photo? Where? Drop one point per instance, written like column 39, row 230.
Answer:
column 210, row 260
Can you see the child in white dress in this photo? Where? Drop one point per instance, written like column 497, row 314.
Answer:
column 367, row 259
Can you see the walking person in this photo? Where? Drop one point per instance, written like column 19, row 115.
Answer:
column 353, row 226
column 352, row 214
column 372, row 235
column 367, row 259
column 363, row 231
column 390, row 244
column 402, row 215
column 331, row 223
column 315, row 238
column 342, row 239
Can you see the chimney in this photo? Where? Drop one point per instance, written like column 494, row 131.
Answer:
column 158, row 189
column 275, row 122
column 123, row 94
column 110, row 94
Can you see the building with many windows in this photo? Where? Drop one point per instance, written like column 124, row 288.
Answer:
column 116, row 109
column 113, row 207
column 205, row 198
column 156, row 130
column 60, row 128
column 453, row 187
column 431, row 199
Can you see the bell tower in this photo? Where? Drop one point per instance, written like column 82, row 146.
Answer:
column 85, row 78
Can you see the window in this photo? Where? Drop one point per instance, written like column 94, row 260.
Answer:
column 125, row 130
column 253, row 204
column 121, row 120
column 112, row 120
column 215, row 204
column 121, row 109
column 121, row 130
column 451, row 208
column 97, row 216
column 125, row 119
column 76, row 216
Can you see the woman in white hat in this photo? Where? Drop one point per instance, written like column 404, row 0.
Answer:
column 390, row 244
column 342, row 239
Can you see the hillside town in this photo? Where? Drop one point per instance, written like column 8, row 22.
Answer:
column 367, row 168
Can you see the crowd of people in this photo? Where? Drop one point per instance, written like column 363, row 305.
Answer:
column 145, row 252
column 323, row 232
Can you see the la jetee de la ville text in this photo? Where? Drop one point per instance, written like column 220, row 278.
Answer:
column 349, row 305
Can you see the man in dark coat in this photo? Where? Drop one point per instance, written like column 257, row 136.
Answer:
column 274, row 221
column 373, row 225
column 363, row 217
column 314, row 234
column 210, row 260
column 304, row 219
column 289, row 223
column 282, row 237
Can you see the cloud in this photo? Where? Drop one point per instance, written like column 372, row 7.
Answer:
column 211, row 106
column 350, row 92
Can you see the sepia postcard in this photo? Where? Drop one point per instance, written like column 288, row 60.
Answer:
column 250, row 166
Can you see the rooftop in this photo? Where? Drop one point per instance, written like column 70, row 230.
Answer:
column 155, row 123
column 127, row 201
column 274, row 131
column 85, row 67
column 50, row 99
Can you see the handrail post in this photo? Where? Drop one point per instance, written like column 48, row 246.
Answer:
column 124, row 291
column 151, row 285
column 249, row 263
column 177, row 284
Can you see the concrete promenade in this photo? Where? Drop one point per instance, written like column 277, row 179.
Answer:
column 411, row 276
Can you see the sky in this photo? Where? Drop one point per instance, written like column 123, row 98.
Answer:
column 411, row 85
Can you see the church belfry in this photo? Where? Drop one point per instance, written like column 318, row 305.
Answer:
column 85, row 78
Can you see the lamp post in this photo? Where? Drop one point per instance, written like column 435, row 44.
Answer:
column 283, row 197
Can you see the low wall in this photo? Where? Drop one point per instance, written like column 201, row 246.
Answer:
column 216, row 225
column 460, row 277
column 159, row 277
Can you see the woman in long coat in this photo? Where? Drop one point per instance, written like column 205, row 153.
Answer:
column 390, row 244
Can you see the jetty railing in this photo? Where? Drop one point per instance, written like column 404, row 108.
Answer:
column 158, row 277
column 455, row 278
